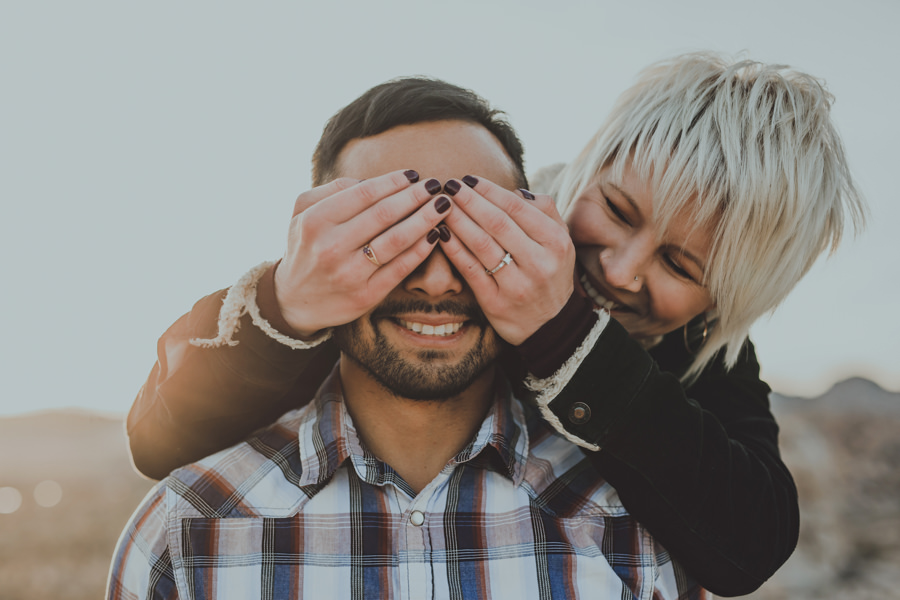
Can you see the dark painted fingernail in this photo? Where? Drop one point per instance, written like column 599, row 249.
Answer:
column 451, row 187
column 442, row 204
column 445, row 232
column 433, row 236
column 528, row 195
column 411, row 175
column 470, row 181
column 432, row 186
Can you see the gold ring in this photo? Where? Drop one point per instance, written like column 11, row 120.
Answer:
column 506, row 260
column 370, row 254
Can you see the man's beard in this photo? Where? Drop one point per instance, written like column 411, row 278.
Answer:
column 422, row 379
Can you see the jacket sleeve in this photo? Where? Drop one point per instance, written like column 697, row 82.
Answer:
column 198, row 401
column 700, row 467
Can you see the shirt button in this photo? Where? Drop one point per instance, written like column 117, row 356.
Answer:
column 579, row 413
column 417, row 518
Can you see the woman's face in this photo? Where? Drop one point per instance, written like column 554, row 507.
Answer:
column 617, row 240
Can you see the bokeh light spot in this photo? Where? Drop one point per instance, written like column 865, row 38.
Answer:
column 48, row 493
column 10, row 500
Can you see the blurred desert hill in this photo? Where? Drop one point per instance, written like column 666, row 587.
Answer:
column 68, row 444
column 843, row 448
column 851, row 396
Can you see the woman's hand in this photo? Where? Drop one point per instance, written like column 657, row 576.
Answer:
column 325, row 278
column 491, row 221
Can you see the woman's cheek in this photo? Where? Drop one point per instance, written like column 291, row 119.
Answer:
column 585, row 225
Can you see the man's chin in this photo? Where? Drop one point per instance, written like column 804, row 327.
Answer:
column 426, row 383
column 429, row 375
column 436, row 386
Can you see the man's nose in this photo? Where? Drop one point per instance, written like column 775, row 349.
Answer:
column 435, row 277
column 623, row 267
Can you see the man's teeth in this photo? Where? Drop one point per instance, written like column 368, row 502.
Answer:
column 595, row 295
column 440, row 330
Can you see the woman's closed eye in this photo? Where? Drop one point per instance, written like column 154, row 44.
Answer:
column 615, row 210
column 676, row 267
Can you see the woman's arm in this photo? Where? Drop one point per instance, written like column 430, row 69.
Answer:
column 700, row 468
column 199, row 400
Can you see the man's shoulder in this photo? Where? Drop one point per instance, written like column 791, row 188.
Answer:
column 563, row 480
column 259, row 477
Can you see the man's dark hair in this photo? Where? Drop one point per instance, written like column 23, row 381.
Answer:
column 407, row 101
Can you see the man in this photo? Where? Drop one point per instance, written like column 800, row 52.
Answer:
column 415, row 473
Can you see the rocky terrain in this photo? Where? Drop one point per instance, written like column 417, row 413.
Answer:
column 843, row 449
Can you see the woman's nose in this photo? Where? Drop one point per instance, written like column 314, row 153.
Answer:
column 435, row 277
column 622, row 268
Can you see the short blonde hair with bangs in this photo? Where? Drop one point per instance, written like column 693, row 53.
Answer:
column 747, row 146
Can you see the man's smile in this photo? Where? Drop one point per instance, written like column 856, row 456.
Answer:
column 432, row 330
column 441, row 329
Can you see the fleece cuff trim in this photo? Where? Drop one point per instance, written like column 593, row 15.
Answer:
column 241, row 300
column 549, row 388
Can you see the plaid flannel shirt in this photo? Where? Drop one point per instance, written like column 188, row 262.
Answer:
column 302, row 510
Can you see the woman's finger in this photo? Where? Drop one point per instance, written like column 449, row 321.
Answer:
column 482, row 246
column 516, row 207
column 392, row 209
column 313, row 196
column 469, row 266
column 492, row 222
column 392, row 274
column 348, row 203
column 400, row 236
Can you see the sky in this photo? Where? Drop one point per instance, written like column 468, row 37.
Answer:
column 150, row 153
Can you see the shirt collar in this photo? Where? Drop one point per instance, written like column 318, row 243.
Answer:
column 327, row 438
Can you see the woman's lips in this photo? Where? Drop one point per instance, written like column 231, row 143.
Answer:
column 598, row 298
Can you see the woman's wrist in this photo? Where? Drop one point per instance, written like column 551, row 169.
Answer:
column 545, row 351
column 269, row 309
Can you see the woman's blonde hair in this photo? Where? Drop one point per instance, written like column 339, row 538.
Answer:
column 746, row 145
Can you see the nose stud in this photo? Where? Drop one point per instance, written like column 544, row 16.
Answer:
column 635, row 277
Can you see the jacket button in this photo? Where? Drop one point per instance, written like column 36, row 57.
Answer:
column 579, row 413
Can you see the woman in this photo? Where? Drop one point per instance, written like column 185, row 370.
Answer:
column 705, row 196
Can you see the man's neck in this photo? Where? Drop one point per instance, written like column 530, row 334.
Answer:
column 416, row 438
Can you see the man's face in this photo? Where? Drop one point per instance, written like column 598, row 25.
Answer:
column 428, row 340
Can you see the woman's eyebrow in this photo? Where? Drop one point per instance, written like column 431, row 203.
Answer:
column 691, row 257
column 627, row 197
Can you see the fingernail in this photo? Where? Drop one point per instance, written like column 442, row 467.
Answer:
column 470, row 181
column 528, row 195
column 442, row 204
column 432, row 186
column 445, row 232
column 433, row 236
column 451, row 187
column 411, row 175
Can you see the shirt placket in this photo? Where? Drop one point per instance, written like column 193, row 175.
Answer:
column 415, row 542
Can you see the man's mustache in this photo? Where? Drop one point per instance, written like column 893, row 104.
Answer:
column 469, row 311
